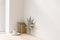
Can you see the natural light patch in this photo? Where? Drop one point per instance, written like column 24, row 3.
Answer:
column 7, row 16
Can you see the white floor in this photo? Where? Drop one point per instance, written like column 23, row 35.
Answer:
column 20, row 37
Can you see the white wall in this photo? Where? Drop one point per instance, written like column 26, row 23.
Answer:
column 2, row 15
column 47, row 16
column 16, row 13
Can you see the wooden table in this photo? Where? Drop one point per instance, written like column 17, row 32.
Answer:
column 20, row 37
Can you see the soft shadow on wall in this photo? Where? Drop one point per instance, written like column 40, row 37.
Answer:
column 46, row 14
